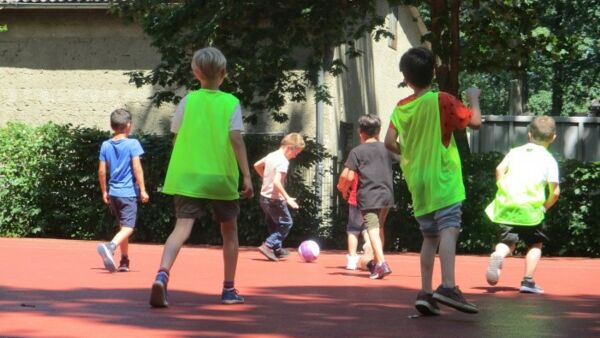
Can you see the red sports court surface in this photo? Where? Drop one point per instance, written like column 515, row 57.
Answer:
column 59, row 288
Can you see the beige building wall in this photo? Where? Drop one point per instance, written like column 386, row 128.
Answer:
column 67, row 66
column 370, row 85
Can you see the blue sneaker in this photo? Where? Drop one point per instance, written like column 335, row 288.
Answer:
column 107, row 256
column 158, row 296
column 231, row 296
column 529, row 286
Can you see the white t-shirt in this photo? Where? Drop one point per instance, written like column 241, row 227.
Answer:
column 236, row 122
column 274, row 162
column 532, row 163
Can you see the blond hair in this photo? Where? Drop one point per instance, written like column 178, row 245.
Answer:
column 542, row 128
column 210, row 61
column 293, row 140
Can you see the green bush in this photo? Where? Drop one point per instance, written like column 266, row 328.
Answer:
column 48, row 188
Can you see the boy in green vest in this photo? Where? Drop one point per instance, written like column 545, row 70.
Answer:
column 420, row 131
column 203, row 172
column 523, row 177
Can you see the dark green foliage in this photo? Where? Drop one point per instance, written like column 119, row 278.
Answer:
column 48, row 188
column 274, row 48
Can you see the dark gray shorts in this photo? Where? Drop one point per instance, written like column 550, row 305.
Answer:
column 191, row 207
column 124, row 209
column 432, row 223
column 355, row 220
column 530, row 235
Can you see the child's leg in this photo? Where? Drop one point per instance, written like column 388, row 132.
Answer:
column 352, row 244
column 448, row 239
column 503, row 250
column 427, row 258
column 531, row 260
column 181, row 232
column 229, row 234
column 121, row 239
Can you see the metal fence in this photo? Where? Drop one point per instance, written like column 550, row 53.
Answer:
column 577, row 137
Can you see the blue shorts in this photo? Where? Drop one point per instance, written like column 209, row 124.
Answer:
column 432, row 223
column 124, row 209
column 355, row 220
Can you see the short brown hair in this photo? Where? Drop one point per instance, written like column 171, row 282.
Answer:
column 119, row 119
column 542, row 128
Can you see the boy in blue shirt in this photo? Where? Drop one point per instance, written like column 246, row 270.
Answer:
column 120, row 158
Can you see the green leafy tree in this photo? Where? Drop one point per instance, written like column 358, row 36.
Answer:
column 274, row 48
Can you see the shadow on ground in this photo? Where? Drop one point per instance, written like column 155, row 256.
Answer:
column 315, row 311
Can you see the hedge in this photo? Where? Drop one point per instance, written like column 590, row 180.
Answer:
column 48, row 188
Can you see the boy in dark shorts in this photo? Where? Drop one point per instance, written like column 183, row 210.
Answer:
column 527, row 180
column 204, row 170
column 120, row 159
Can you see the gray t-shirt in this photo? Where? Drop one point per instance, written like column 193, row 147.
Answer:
column 373, row 163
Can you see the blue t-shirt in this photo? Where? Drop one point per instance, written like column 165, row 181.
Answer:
column 118, row 156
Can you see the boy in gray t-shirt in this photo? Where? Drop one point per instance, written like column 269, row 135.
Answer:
column 375, row 194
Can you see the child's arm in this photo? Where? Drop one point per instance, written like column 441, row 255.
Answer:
column 390, row 140
column 345, row 182
column 259, row 167
column 138, row 172
column 278, row 184
column 501, row 169
column 553, row 193
column 239, row 148
column 473, row 98
column 102, row 180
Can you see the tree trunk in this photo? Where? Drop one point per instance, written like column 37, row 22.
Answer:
column 557, row 89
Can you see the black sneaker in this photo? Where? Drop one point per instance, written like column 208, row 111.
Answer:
column 371, row 266
column 453, row 297
column 158, row 296
column 281, row 252
column 268, row 252
column 124, row 264
column 529, row 286
column 426, row 305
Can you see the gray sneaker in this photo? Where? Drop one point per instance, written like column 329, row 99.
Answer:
column 426, row 305
column 493, row 271
column 107, row 256
column 268, row 252
column 453, row 297
column 529, row 286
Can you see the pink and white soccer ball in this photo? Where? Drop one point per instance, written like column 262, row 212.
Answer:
column 308, row 251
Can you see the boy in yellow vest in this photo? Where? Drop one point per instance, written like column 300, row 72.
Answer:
column 420, row 131
column 203, row 172
column 523, row 177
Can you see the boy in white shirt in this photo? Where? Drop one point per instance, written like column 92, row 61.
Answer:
column 274, row 200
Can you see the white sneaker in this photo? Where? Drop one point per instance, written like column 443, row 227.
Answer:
column 493, row 271
column 352, row 262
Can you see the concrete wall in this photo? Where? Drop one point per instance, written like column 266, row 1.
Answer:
column 67, row 66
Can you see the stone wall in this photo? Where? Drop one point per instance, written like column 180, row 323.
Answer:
column 67, row 66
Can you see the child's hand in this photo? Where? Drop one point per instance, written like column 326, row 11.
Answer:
column 473, row 93
column 247, row 189
column 292, row 203
column 105, row 198
column 144, row 197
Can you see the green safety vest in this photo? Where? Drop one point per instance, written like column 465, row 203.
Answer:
column 433, row 172
column 521, row 195
column 203, row 163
